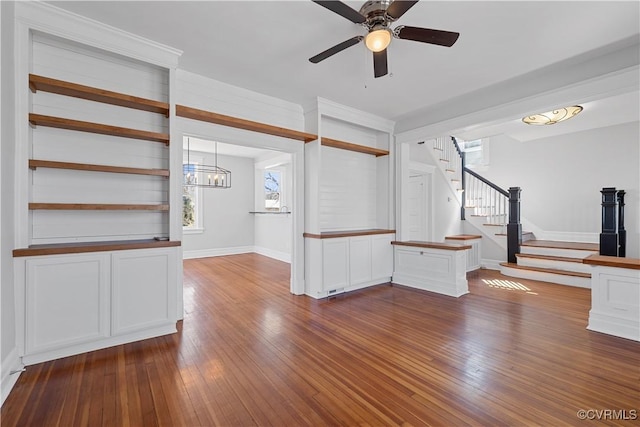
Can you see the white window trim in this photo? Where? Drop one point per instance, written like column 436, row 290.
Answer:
column 199, row 227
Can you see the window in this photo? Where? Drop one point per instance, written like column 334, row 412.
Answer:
column 476, row 152
column 272, row 190
column 191, row 198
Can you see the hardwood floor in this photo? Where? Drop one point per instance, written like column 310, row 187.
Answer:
column 512, row 352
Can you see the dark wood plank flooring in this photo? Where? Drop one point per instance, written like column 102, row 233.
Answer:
column 512, row 352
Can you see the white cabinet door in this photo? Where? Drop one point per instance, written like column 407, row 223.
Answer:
column 359, row 260
column 143, row 290
column 67, row 301
column 382, row 256
column 335, row 263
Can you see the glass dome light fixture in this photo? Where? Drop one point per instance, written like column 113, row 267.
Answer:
column 378, row 39
column 553, row 116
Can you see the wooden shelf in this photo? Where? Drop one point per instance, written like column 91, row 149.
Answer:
column 220, row 119
column 75, row 248
column 61, row 123
column 354, row 233
column 60, row 87
column 96, row 207
column 33, row 164
column 329, row 142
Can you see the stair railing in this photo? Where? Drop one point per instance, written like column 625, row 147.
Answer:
column 613, row 237
column 501, row 208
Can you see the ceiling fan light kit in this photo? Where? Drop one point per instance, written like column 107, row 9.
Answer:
column 378, row 40
column 376, row 16
column 553, row 116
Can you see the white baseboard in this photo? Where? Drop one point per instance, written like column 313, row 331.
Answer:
column 206, row 253
column 9, row 364
column 272, row 253
column 490, row 264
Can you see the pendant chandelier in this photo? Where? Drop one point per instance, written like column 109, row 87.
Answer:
column 207, row 176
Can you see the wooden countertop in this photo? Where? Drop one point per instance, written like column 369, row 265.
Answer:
column 347, row 233
column 432, row 245
column 82, row 247
column 613, row 261
column 463, row 237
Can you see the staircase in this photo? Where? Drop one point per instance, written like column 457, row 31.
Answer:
column 486, row 207
column 552, row 261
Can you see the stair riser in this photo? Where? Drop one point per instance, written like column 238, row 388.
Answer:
column 556, row 265
column 569, row 253
column 580, row 282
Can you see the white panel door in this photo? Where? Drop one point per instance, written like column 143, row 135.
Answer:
column 67, row 301
column 143, row 290
column 382, row 255
column 335, row 263
column 359, row 259
column 417, row 208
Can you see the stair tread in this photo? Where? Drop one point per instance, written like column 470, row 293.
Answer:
column 546, row 270
column 450, row 170
column 551, row 258
column 496, row 225
column 563, row 245
column 524, row 232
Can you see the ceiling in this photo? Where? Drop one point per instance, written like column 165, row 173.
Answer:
column 264, row 46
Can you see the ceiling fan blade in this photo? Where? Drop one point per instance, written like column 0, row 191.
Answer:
column 342, row 10
column 335, row 49
column 399, row 7
column 380, row 63
column 426, row 35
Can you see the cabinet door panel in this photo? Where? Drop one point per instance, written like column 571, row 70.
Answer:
column 360, row 260
column 142, row 294
column 67, row 301
column 382, row 256
column 335, row 263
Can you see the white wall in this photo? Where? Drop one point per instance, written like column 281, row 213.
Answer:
column 8, row 353
column 273, row 232
column 561, row 178
column 228, row 225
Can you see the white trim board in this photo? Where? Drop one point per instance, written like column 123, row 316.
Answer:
column 206, row 253
column 11, row 370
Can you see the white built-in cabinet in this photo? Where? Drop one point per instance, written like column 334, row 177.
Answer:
column 81, row 302
column 341, row 264
column 96, row 196
column 349, row 210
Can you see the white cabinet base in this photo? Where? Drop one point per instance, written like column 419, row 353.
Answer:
column 74, row 303
column 435, row 270
column 337, row 265
column 615, row 302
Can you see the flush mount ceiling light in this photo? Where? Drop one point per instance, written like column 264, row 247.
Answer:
column 553, row 117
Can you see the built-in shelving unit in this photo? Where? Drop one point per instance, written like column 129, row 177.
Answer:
column 235, row 122
column 75, row 90
column 99, row 128
column 34, row 164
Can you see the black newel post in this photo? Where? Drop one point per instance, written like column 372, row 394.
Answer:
column 514, row 228
column 622, row 233
column 463, row 184
column 609, row 234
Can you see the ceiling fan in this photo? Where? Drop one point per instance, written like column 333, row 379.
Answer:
column 376, row 17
